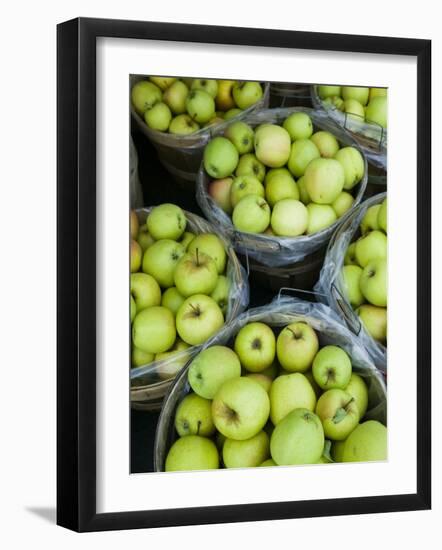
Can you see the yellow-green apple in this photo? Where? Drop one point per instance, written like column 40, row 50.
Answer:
column 224, row 98
column 272, row 145
column 326, row 143
column 357, row 388
column 354, row 109
column 374, row 320
column 175, row 97
column 255, row 346
column 198, row 318
column 192, row 452
column 144, row 95
column 335, row 102
column 329, row 91
column 219, row 190
column 370, row 220
column 240, row 408
column 160, row 261
column 332, row 368
column 232, row 113
column 172, row 299
column 289, row 392
column 200, row 105
column 262, row 379
column 355, row 92
column 153, row 329
column 133, row 309
column 139, row 357
column 243, row 186
column 297, row 439
column 246, row 94
column 248, row 453
column 376, row 111
column 221, row 293
column 382, row 216
column 136, row 255
column 170, row 362
column 211, row 368
column 337, row 449
column 352, row 162
column 144, row 238
column 371, row 246
column 309, row 375
column 158, row 117
column 289, row 218
column 276, row 172
column 351, row 276
column 144, row 290
column 194, row 416
column 342, row 203
column 182, row 125
column 166, row 221
column 324, row 179
column 298, row 125
column 251, row 214
column 241, row 135
column 373, row 282
column 195, row 273
column 377, row 92
column 186, row 238
column 163, row 82
column 350, row 255
column 210, row 244
column 281, row 186
column 220, row 157
column 248, row 164
column 296, row 347
column 304, row 197
column 320, row 216
column 134, row 224
column 368, row 442
column 338, row 412
column 209, row 86
column 268, row 463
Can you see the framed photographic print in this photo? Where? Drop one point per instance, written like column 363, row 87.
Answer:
column 227, row 265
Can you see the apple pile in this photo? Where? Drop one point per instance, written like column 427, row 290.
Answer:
column 181, row 106
column 365, row 104
column 364, row 273
column 273, row 400
column 178, row 286
column 282, row 180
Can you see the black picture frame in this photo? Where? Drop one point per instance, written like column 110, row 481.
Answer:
column 76, row 272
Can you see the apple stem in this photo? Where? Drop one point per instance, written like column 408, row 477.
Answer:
column 197, row 257
column 198, row 428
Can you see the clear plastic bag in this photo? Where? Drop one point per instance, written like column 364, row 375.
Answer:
column 371, row 136
column 282, row 311
column 329, row 288
column 158, row 374
column 269, row 250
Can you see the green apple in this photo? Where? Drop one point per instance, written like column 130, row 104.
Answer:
column 334, row 102
column 329, row 91
column 183, row 125
column 248, row 164
column 377, row 92
column 211, row 368
column 194, row 416
column 209, row 86
column 371, row 246
column 153, row 329
column 210, row 244
column 289, row 218
column 297, row 439
column 219, row 190
column 192, row 452
column 352, row 162
column 289, row 392
column 172, row 299
column 241, row 135
column 243, row 186
column 144, row 238
column 326, row 143
column 198, row 318
column 251, row 214
column 134, row 224
column 221, row 293
column 354, row 109
column 320, row 216
column 351, row 276
column 350, row 255
column 186, row 238
column 382, row 216
column 160, row 261
column 224, row 99
column 342, row 203
column 246, row 94
column 200, row 105
column 240, row 408
column 195, row 273
column 309, row 375
column 324, row 180
column 232, row 113
column 296, row 347
column 373, row 282
column 281, row 186
column 276, row 172
column 133, row 309
column 356, row 92
column 175, row 97
column 299, row 126
column 374, row 320
column 368, row 442
column 144, row 95
column 376, row 111
column 370, row 220
column 338, row 412
column 268, row 463
column 170, row 362
column 163, row 82
column 337, row 449
column 357, row 388
column 248, row 453
column 304, row 197
column 262, row 379
column 158, row 117
column 140, row 358
column 255, row 346
column 302, row 152
column 166, row 221
column 272, row 145
column 136, row 255
column 220, row 158
column 332, row 368
column 144, row 290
